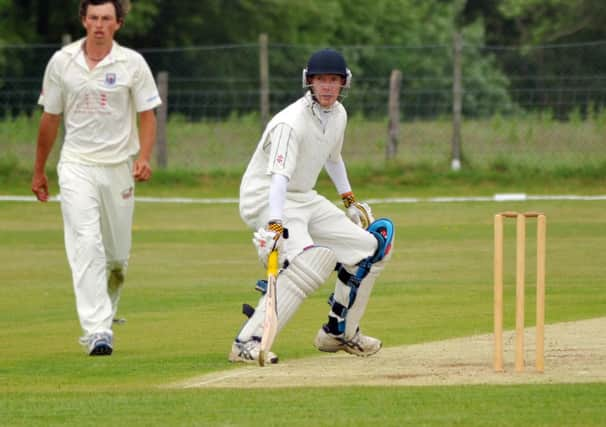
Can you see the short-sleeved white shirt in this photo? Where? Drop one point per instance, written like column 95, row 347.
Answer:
column 296, row 143
column 99, row 106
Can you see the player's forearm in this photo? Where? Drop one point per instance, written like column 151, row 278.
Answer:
column 47, row 133
column 338, row 174
column 277, row 196
column 147, row 134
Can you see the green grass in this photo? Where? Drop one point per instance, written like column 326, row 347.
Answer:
column 394, row 180
column 498, row 144
column 550, row 405
column 192, row 266
column 533, row 154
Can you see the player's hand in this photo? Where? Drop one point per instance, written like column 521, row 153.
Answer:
column 142, row 170
column 269, row 238
column 359, row 213
column 40, row 187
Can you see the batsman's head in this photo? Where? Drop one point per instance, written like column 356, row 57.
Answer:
column 326, row 75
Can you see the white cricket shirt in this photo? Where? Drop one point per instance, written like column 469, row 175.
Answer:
column 296, row 143
column 99, row 106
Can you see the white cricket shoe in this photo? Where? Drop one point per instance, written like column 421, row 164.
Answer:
column 248, row 352
column 360, row 345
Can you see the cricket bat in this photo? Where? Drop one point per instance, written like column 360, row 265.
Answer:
column 270, row 323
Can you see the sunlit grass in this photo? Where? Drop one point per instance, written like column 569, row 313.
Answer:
column 192, row 266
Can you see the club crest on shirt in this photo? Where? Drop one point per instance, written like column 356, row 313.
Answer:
column 128, row 193
column 280, row 159
column 110, row 79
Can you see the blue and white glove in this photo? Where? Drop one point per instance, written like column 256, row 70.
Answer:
column 269, row 238
column 358, row 212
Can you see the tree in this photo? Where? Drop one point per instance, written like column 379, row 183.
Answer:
column 556, row 21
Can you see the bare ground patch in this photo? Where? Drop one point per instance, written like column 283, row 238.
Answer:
column 575, row 352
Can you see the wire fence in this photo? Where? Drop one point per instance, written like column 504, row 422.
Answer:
column 541, row 105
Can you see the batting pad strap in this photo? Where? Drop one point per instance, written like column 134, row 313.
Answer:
column 248, row 310
column 261, row 286
column 336, row 307
column 334, row 326
column 347, row 278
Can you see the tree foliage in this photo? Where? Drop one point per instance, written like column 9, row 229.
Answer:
column 556, row 21
column 168, row 23
column 376, row 35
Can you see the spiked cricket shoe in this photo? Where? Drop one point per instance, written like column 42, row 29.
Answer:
column 248, row 352
column 98, row 344
column 360, row 345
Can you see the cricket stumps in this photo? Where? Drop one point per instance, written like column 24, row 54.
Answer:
column 520, row 289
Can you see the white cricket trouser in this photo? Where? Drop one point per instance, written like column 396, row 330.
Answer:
column 97, row 203
column 317, row 221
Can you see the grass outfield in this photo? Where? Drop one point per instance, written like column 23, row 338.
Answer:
column 193, row 265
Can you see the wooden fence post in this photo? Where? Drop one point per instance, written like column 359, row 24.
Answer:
column 161, row 117
column 395, row 82
column 457, row 101
column 264, row 78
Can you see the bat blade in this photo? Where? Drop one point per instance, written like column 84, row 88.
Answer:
column 270, row 323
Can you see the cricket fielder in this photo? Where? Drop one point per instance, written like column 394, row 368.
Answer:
column 277, row 194
column 99, row 87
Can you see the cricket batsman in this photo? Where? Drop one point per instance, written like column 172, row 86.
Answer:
column 278, row 200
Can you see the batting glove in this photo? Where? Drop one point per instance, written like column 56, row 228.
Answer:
column 358, row 212
column 270, row 238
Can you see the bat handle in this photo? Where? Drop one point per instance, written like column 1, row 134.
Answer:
column 272, row 263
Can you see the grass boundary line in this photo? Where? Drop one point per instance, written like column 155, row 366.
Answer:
column 499, row 197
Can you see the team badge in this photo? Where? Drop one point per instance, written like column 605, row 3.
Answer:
column 110, row 79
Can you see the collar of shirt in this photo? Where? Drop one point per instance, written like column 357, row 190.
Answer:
column 322, row 114
column 115, row 54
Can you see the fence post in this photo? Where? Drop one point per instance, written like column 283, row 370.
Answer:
column 395, row 82
column 457, row 101
column 264, row 78
column 161, row 117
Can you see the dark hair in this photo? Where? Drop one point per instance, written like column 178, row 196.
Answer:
column 120, row 6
